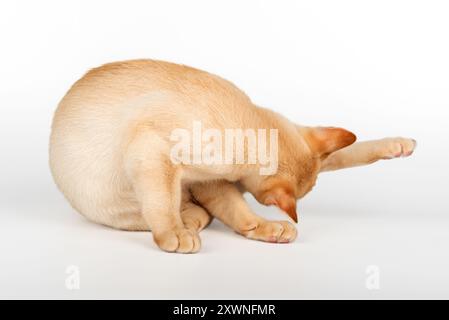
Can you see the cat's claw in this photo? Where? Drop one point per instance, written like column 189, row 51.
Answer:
column 273, row 231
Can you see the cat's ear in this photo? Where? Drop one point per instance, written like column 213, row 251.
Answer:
column 325, row 140
column 282, row 198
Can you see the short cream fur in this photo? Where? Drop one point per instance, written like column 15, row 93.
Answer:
column 109, row 154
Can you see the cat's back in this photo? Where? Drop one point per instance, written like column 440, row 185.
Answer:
column 108, row 96
column 121, row 81
column 111, row 98
column 93, row 118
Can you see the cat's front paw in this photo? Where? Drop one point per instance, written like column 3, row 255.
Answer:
column 273, row 231
column 397, row 147
column 179, row 240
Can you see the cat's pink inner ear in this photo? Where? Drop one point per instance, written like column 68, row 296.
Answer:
column 325, row 140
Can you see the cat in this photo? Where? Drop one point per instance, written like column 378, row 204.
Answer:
column 110, row 148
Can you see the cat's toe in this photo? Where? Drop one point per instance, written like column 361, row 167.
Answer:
column 179, row 240
column 398, row 147
column 289, row 234
column 409, row 147
column 273, row 231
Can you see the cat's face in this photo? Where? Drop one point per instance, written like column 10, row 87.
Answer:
column 299, row 167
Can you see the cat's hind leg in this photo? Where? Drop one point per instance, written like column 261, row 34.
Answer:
column 193, row 215
column 130, row 222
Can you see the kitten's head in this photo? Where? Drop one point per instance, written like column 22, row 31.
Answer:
column 301, row 154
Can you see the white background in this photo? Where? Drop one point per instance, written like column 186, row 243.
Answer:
column 378, row 68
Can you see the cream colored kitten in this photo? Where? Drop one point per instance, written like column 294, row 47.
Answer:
column 110, row 154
